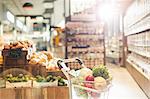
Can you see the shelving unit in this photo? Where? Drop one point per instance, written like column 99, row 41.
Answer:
column 137, row 32
column 85, row 38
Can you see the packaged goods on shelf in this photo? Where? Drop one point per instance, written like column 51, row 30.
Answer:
column 84, row 41
column 85, row 38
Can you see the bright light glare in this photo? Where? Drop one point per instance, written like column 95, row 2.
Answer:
column 106, row 11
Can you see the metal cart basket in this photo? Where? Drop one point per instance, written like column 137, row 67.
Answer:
column 77, row 87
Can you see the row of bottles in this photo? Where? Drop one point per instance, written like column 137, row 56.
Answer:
column 140, row 43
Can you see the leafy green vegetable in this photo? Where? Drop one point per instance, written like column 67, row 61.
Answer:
column 101, row 71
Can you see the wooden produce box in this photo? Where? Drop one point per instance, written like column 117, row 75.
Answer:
column 18, row 84
column 14, row 57
column 45, row 84
column 59, row 92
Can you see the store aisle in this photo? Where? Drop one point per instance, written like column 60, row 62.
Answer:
column 124, row 86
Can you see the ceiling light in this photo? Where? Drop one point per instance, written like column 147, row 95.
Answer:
column 27, row 6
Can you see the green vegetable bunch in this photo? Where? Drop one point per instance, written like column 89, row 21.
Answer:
column 101, row 71
column 51, row 78
column 19, row 78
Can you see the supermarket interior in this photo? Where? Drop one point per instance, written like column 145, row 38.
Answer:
column 74, row 49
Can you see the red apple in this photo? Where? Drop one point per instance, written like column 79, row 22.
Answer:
column 89, row 78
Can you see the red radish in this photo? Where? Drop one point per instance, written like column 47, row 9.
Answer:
column 89, row 78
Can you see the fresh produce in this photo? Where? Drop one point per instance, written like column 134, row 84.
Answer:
column 99, row 83
column 44, row 59
column 101, row 71
column 50, row 78
column 18, row 45
column 19, row 78
column 95, row 79
column 89, row 78
column 88, row 85
column 84, row 72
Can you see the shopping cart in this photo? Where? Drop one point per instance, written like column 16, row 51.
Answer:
column 77, row 90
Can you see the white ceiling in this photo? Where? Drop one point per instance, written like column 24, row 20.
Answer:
column 16, row 7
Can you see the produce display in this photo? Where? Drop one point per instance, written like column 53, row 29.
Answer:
column 19, row 78
column 18, row 45
column 39, row 81
column 50, row 78
column 44, row 58
column 92, row 81
column 18, row 81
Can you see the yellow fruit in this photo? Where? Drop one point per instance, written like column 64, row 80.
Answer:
column 99, row 83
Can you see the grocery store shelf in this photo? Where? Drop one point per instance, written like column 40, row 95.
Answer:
column 142, row 79
column 142, row 53
column 138, row 69
column 140, row 19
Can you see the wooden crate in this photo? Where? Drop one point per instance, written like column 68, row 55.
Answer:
column 60, row 92
column 9, row 60
column 37, row 70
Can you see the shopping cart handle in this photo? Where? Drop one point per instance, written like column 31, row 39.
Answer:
column 79, row 61
column 61, row 65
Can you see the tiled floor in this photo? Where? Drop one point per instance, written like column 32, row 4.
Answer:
column 124, row 86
